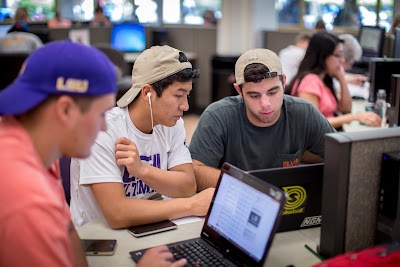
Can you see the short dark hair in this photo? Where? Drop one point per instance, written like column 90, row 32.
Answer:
column 256, row 72
column 182, row 76
column 84, row 102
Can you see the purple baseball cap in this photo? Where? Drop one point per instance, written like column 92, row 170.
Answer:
column 59, row 68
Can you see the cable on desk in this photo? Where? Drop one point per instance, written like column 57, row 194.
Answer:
column 314, row 252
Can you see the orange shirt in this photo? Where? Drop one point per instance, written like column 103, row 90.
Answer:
column 34, row 216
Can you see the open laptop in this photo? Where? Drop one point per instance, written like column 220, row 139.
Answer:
column 303, row 186
column 240, row 224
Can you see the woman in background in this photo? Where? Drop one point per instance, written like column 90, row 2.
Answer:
column 324, row 60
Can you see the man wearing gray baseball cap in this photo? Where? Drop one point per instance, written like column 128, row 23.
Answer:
column 258, row 129
column 143, row 153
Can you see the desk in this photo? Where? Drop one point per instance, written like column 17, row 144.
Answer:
column 355, row 126
column 287, row 248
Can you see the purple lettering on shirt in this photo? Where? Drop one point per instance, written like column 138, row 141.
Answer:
column 133, row 185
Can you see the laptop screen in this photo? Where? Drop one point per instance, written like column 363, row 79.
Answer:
column 128, row 37
column 243, row 215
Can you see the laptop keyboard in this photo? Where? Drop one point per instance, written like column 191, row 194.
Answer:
column 196, row 254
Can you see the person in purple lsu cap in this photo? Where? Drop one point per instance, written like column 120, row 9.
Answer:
column 55, row 107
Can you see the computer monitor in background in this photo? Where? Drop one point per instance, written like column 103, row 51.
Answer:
column 351, row 185
column 396, row 46
column 394, row 111
column 380, row 75
column 4, row 29
column 371, row 40
column 128, row 37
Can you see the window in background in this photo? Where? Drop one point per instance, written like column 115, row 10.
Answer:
column 197, row 12
column 146, row 11
column 335, row 13
column 171, row 11
column 118, row 10
column 326, row 10
column 386, row 14
column 38, row 10
column 77, row 10
column 288, row 11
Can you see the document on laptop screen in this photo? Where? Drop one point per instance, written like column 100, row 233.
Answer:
column 243, row 215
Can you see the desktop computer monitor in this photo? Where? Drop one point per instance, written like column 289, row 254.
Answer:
column 380, row 75
column 351, row 185
column 371, row 40
column 394, row 111
column 128, row 37
column 396, row 46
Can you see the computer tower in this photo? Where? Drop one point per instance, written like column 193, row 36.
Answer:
column 388, row 225
column 380, row 74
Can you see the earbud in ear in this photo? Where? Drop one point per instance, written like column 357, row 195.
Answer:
column 149, row 96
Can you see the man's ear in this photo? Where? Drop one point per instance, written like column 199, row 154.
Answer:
column 146, row 88
column 65, row 109
column 238, row 90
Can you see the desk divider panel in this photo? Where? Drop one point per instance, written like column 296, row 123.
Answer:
column 350, row 194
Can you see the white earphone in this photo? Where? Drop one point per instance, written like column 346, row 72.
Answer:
column 151, row 110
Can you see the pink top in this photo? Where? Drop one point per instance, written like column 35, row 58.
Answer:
column 55, row 23
column 312, row 84
column 34, row 216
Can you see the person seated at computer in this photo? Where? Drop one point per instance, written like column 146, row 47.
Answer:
column 395, row 24
column 18, row 39
column 292, row 55
column 58, row 22
column 260, row 128
column 99, row 18
column 352, row 52
column 323, row 61
column 320, row 25
column 143, row 152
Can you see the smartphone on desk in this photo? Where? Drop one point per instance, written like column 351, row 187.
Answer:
column 99, row 247
column 151, row 228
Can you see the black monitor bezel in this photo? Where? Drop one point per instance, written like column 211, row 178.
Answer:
column 368, row 53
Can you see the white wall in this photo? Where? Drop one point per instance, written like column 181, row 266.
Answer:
column 242, row 23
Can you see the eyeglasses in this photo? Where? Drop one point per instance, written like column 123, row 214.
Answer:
column 338, row 55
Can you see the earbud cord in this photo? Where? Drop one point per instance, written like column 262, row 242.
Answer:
column 151, row 115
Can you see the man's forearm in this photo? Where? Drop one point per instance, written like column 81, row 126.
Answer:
column 77, row 249
column 206, row 176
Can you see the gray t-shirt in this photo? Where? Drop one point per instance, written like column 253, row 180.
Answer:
column 224, row 133
column 19, row 42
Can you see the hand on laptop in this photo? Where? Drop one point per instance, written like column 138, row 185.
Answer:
column 357, row 79
column 159, row 257
column 368, row 118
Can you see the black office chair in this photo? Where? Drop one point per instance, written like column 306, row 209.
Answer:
column 125, row 81
column 10, row 67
